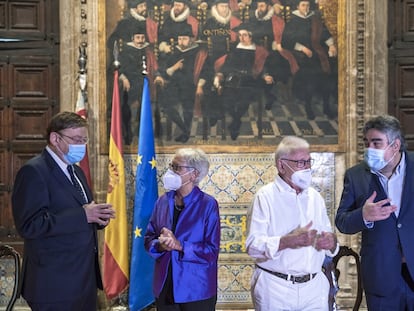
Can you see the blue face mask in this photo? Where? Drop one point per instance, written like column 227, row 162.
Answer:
column 375, row 158
column 75, row 154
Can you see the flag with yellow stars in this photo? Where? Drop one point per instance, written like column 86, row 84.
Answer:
column 146, row 193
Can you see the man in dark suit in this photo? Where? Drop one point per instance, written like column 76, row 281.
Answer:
column 131, row 58
column 54, row 212
column 183, row 77
column 377, row 200
column 314, row 48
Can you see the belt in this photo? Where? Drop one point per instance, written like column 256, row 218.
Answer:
column 293, row 278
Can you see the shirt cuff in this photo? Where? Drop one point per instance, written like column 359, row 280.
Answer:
column 369, row 224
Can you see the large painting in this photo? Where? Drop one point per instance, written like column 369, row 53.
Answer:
column 228, row 75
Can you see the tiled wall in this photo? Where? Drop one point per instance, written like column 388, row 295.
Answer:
column 233, row 180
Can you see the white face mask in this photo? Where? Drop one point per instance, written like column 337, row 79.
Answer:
column 375, row 158
column 302, row 178
column 173, row 181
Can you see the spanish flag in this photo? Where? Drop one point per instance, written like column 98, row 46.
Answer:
column 115, row 261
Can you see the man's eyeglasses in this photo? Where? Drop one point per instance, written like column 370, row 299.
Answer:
column 301, row 163
column 76, row 139
column 177, row 168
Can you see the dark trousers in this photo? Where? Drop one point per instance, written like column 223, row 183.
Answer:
column 402, row 299
column 84, row 303
column 199, row 305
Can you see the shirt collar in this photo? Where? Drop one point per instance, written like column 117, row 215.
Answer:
column 400, row 169
column 58, row 160
column 283, row 186
column 246, row 47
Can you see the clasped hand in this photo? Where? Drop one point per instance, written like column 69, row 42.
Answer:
column 99, row 213
column 168, row 241
column 305, row 236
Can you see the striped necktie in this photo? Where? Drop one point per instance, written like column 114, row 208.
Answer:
column 76, row 183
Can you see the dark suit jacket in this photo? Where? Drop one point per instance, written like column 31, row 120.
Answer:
column 383, row 245
column 60, row 260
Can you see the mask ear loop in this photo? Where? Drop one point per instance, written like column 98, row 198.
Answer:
column 390, row 145
column 57, row 143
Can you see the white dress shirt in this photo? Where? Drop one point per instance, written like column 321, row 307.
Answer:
column 277, row 210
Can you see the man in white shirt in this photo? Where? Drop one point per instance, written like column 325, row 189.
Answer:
column 289, row 235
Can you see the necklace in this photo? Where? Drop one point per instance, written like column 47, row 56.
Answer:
column 179, row 208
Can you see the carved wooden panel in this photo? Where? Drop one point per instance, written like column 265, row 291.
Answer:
column 29, row 123
column 31, row 81
column 401, row 65
column 406, row 116
column 408, row 21
column 3, row 21
column 3, row 173
column 29, row 89
column 6, row 219
column 3, row 105
column 4, row 128
column 23, row 18
column 5, row 216
column 3, row 79
column 406, row 73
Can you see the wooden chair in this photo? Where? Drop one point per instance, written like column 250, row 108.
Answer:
column 331, row 267
column 6, row 253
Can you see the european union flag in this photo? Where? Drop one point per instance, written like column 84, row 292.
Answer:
column 146, row 193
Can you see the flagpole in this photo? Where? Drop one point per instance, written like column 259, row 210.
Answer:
column 146, row 194
column 81, row 108
column 116, row 255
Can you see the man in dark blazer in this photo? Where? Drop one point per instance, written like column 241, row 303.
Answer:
column 378, row 201
column 58, row 219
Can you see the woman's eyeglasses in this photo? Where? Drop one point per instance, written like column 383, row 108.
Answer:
column 177, row 168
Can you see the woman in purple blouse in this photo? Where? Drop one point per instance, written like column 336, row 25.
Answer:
column 183, row 236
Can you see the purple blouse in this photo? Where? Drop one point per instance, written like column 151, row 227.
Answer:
column 198, row 230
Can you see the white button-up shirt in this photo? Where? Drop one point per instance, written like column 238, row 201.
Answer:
column 277, row 210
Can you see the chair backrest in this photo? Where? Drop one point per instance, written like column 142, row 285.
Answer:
column 8, row 253
column 347, row 251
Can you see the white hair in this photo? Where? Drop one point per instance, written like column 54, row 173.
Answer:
column 196, row 158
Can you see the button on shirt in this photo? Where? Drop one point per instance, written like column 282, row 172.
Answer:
column 276, row 211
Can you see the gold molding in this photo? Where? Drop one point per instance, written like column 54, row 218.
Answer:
column 330, row 6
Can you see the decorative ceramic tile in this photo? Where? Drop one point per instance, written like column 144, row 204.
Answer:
column 6, row 280
column 234, row 179
column 233, row 233
column 234, row 283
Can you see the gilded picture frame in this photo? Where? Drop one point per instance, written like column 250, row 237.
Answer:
column 324, row 133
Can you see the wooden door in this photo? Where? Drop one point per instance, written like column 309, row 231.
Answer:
column 29, row 89
column 401, row 65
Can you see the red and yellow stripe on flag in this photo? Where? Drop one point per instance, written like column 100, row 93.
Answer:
column 84, row 163
column 116, row 270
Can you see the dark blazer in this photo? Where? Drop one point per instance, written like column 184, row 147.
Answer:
column 383, row 245
column 60, row 260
